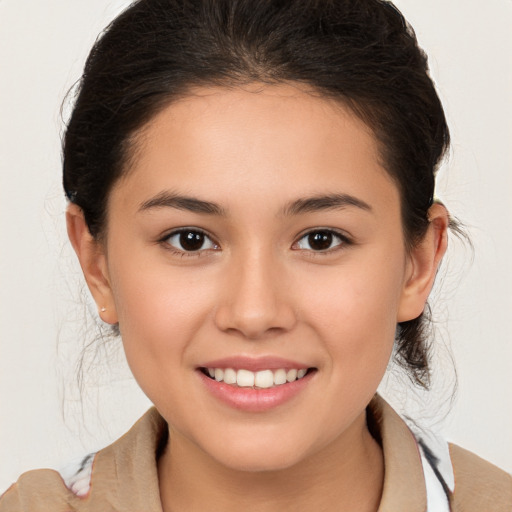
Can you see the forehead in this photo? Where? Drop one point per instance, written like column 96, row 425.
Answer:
column 267, row 139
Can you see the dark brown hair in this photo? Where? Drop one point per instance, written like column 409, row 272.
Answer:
column 360, row 52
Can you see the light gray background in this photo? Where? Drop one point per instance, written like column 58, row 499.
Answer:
column 44, row 422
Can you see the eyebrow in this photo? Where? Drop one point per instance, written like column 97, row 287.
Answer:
column 299, row 206
column 325, row 202
column 180, row 202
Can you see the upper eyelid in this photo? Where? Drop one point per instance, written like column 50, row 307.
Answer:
column 338, row 232
column 175, row 231
column 164, row 242
column 346, row 242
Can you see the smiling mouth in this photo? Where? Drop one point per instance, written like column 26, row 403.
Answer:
column 262, row 379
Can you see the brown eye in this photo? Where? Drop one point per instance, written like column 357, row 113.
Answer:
column 320, row 240
column 189, row 240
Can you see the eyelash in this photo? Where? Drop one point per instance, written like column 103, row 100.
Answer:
column 165, row 241
column 343, row 241
column 329, row 232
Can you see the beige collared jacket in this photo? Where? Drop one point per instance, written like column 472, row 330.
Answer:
column 420, row 475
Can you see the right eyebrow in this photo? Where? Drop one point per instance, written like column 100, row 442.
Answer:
column 180, row 202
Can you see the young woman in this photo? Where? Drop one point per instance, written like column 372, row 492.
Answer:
column 251, row 199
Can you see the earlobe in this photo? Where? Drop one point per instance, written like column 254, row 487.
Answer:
column 424, row 260
column 92, row 258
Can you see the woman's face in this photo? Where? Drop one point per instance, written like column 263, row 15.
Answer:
column 257, row 230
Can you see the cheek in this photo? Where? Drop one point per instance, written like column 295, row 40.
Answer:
column 355, row 308
column 160, row 311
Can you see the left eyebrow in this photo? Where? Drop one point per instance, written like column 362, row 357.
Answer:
column 325, row 202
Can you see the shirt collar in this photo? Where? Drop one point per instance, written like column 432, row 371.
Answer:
column 404, row 483
column 125, row 473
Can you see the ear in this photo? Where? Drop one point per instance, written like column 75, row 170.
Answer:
column 423, row 263
column 92, row 258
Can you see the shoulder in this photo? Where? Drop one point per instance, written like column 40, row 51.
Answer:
column 38, row 491
column 122, row 476
column 453, row 478
column 46, row 489
column 479, row 485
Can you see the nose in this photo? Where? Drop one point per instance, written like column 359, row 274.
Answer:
column 255, row 302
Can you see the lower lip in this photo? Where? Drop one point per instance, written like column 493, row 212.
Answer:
column 254, row 399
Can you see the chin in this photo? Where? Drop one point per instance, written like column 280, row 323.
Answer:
column 259, row 463
column 264, row 456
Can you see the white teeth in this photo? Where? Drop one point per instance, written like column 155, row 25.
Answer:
column 244, row 378
column 279, row 377
column 301, row 373
column 262, row 379
column 291, row 375
column 229, row 376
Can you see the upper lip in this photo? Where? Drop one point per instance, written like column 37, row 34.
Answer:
column 255, row 364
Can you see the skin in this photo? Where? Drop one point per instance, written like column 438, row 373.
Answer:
column 256, row 288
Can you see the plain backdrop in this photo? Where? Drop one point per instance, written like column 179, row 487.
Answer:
column 46, row 421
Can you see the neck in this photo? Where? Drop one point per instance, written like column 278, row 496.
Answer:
column 346, row 475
